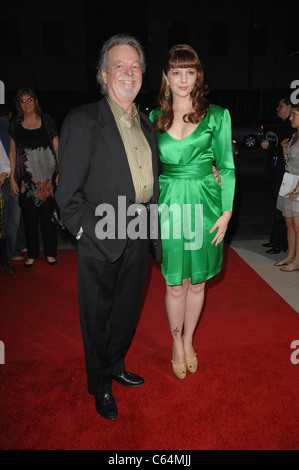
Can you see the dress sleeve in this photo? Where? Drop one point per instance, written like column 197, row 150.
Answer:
column 152, row 115
column 223, row 153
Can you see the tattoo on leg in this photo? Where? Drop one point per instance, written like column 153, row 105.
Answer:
column 175, row 332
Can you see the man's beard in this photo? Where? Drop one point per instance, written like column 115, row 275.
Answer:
column 129, row 93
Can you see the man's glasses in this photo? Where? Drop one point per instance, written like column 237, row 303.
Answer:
column 29, row 100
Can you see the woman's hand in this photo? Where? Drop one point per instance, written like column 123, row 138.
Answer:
column 14, row 187
column 285, row 143
column 293, row 196
column 221, row 224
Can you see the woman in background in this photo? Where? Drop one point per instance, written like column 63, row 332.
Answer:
column 33, row 156
column 289, row 204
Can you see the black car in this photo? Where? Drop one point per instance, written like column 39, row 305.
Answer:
column 248, row 134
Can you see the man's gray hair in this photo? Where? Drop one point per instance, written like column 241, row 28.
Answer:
column 117, row 40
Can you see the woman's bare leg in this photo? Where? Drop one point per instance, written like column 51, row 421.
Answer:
column 194, row 303
column 175, row 303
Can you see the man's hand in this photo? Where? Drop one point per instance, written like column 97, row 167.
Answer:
column 265, row 144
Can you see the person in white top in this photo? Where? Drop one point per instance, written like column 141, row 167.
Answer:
column 289, row 202
column 4, row 173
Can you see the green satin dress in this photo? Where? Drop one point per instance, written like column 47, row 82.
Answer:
column 191, row 200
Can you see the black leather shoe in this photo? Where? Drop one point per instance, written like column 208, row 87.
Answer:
column 128, row 379
column 267, row 245
column 6, row 267
column 106, row 406
column 273, row 251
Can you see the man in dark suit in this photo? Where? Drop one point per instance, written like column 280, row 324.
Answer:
column 108, row 181
column 278, row 240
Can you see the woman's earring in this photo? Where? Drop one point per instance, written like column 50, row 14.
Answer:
column 167, row 93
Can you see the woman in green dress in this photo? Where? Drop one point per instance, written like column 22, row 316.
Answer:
column 194, row 209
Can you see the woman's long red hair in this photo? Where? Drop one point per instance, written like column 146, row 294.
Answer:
column 182, row 56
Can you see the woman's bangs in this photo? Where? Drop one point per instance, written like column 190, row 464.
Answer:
column 183, row 60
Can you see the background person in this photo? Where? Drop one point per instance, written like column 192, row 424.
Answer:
column 33, row 158
column 191, row 135
column 4, row 173
column 13, row 227
column 278, row 239
column 289, row 204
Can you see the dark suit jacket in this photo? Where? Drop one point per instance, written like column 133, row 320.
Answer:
column 284, row 130
column 93, row 170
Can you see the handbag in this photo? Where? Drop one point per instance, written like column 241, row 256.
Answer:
column 288, row 184
column 56, row 219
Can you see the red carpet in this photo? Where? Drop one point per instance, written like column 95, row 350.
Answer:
column 245, row 395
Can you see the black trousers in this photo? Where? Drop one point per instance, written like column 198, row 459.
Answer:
column 32, row 215
column 109, row 299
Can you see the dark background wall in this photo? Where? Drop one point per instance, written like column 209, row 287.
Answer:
column 249, row 50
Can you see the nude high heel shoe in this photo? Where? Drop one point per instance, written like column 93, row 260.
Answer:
column 191, row 363
column 179, row 369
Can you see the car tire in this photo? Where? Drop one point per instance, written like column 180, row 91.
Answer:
column 250, row 141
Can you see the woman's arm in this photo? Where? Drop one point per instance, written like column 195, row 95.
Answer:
column 12, row 158
column 55, row 146
column 222, row 147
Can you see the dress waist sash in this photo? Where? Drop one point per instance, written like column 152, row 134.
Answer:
column 191, row 170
